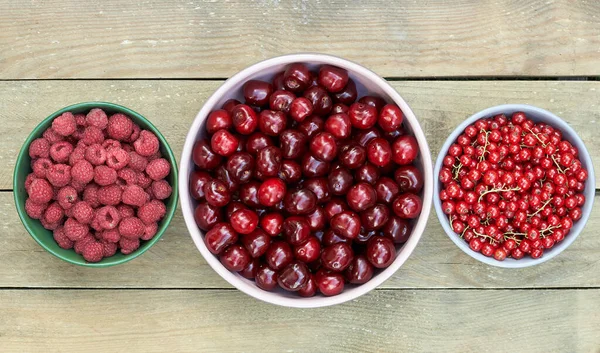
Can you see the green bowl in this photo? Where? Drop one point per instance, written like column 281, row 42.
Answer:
column 43, row 236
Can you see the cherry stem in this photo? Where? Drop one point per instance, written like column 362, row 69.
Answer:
column 540, row 209
column 500, row 189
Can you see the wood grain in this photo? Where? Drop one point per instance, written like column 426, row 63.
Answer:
column 118, row 39
column 229, row 321
column 174, row 262
column 172, row 105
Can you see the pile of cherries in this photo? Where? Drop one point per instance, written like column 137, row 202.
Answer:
column 512, row 187
column 303, row 186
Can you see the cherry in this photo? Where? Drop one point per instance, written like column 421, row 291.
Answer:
column 362, row 116
column 339, row 108
column 316, row 219
column 278, row 255
column 216, row 193
column 375, row 217
column 397, row 229
column 373, row 101
column 320, row 99
column 313, row 167
column 367, row 173
column 348, row 94
column 319, row 186
column 281, row 100
column 197, row 181
column 359, row 271
column 223, row 175
column 230, row 104
column 309, row 250
column 268, row 161
column 380, row 252
column 290, row 171
column 334, row 79
column 272, row 122
column 296, row 230
column 220, row 236
column 232, row 207
column 293, row 143
column 409, row 179
column 244, row 119
column 404, row 150
column 339, row 125
column 337, row 257
column 339, row 181
column 244, row 221
column 311, row 126
column 361, row 196
column 223, row 143
column 204, row 157
column 293, row 277
column 379, row 152
column 310, row 289
column 407, row 205
column 334, row 207
column 323, row 146
column 271, row 192
column 330, row 237
column 346, row 223
column 300, row 202
column 251, row 269
column 390, row 117
column 266, row 278
column 257, row 92
column 296, row 77
column 329, row 283
column 272, row 223
column 235, row 258
column 206, row 216
column 386, row 190
column 300, row 109
column 219, row 119
column 240, row 166
column 353, row 156
column 256, row 142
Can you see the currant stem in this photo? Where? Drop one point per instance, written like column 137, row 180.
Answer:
column 537, row 137
column 500, row 189
column 487, row 133
column 560, row 170
column 540, row 209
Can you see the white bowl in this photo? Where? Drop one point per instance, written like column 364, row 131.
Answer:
column 366, row 82
column 536, row 115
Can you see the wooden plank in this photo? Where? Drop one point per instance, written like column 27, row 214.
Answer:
column 172, row 105
column 116, row 39
column 174, row 262
column 229, row 321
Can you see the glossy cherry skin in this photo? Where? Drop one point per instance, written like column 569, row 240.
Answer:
column 362, row 116
column 219, row 119
column 296, row 230
column 407, row 205
column 346, row 223
column 223, row 175
column 266, row 278
column 340, row 181
column 309, row 250
column 373, row 101
column 333, row 207
column 281, row 100
column 235, row 258
column 329, row 283
column 272, row 223
column 256, row 142
column 207, row 216
column 294, row 276
column 363, row 137
column 278, row 255
column 244, row 221
column 244, row 119
column 339, row 108
column 319, row 187
column 293, row 144
column 330, row 237
column 320, row 99
column 257, row 92
column 375, row 217
column 347, row 95
column 338, row 125
column 359, row 271
column 364, row 235
column 409, row 179
column 337, row 257
column 300, row 109
column 197, row 181
column 310, row 289
column 404, row 150
column 317, row 220
column 334, row 79
column 380, row 252
column 216, row 193
column 271, row 192
column 290, row 172
column 314, row 167
column 251, row 269
column 390, row 117
column 367, row 173
column 223, row 143
column 361, row 196
column 219, row 237
column 249, row 194
column 311, row 126
column 386, row 190
column 268, row 161
column 323, row 146
column 353, row 156
column 232, row 207
column 272, row 122
column 240, row 166
column 256, row 242
column 300, row 202
column 379, row 152
column 296, row 77
column 397, row 229
column 204, row 157
column 230, row 104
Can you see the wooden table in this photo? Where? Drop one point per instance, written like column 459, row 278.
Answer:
column 448, row 59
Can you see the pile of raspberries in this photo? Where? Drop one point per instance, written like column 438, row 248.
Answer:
column 98, row 183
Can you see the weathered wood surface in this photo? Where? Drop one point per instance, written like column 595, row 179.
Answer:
column 197, row 39
column 173, row 104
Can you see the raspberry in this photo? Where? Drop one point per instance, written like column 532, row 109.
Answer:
column 80, row 123
column 39, row 147
column 61, row 151
column 78, row 186
column 150, row 193
column 82, row 172
column 30, row 178
column 119, row 127
column 59, row 175
column 92, row 135
column 75, row 230
column 90, row 195
column 104, row 175
column 52, row 136
column 77, row 155
column 152, row 211
column 93, row 251
column 80, row 120
column 158, row 169
column 135, row 133
column 83, row 212
column 67, row 197
column 131, row 227
column 111, row 235
column 108, row 217
column 54, row 213
column 40, row 167
column 61, row 239
column 147, row 144
column 143, row 180
column 154, row 156
column 128, row 175
column 65, row 124
column 109, row 248
column 48, row 225
column 35, row 210
column 95, row 154
column 97, row 118
column 137, row 162
column 40, row 191
column 125, row 211
column 117, row 158
column 127, row 147
column 134, row 195
column 109, row 144
column 129, row 245
column 150, row 231
column 161, row 189
column 95, row 225
column 110, row 195
column 80, row 244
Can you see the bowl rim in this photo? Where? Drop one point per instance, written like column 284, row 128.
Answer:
column 23, row 153
column 584, row 156
column 273, row 297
